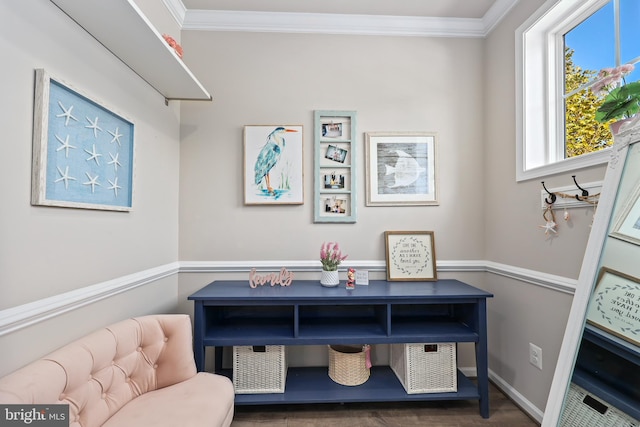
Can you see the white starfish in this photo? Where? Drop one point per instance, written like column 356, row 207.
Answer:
column 65, row 145
column 116, row 136
column 94, row 155
column 92, row 182
column 65, row 177
column 114, row 161
column 94, row 126
column 114, row 186
column 549, row 226
column 67, row 114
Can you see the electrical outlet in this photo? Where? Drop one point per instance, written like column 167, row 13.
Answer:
column 535, row 356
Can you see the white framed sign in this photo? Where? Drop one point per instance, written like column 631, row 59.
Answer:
column 615, row 305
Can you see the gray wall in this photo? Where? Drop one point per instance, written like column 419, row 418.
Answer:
column 46, row 252
column 394, row 83
column 521, row 312
column 188, row 204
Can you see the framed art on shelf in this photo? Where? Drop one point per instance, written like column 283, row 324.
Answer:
column 273, row 165
column 401, row 168
column 82, row 151
column 615, row 304
column 334, row 137
column 410, row 256
column 627, row 227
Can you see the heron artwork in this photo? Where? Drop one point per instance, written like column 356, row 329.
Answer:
column 269, row 156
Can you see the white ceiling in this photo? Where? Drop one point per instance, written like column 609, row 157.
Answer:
column 431, row 18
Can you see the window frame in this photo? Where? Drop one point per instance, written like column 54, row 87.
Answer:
column 539, row 83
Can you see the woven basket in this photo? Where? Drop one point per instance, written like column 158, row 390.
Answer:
column 259, row 369
column 348, row 364
column 425, row 368
column 583, row 409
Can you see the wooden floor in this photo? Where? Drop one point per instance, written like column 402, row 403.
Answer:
column 503, row 413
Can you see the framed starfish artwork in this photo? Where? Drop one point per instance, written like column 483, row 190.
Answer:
column 401, row 168
column 82, row 151
column 273, row 165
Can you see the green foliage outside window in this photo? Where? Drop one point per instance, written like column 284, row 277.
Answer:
column 583, row 133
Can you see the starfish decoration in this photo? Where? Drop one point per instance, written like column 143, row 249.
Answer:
column 114, row 161
column 65, row 145
column 114, row 186
column 550, row 226
column 116, row 136
column 94, row 126
column 93, row 181
column 67, row 114
column 94, row 155
column 65, row 177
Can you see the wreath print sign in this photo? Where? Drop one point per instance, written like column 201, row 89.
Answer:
column 615, row 306
column 410, row 255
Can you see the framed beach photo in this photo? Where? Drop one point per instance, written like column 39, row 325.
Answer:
column 627, row 226
column 82, row 150
column 273, row 165
column 410, row 256
column 336, row 154
column 401, row 168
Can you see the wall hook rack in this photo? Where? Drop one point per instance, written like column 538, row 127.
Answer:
column 585, row 193
column 552, row 196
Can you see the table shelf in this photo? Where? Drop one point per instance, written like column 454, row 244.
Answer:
column 229, row 313
column 313, row 385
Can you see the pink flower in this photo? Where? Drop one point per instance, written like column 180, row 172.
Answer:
column 331, row 256
column 609, row 78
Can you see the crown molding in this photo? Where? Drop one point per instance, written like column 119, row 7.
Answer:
column 332, row 23
column 177, row 9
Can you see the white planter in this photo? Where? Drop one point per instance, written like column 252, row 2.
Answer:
column 329, row 278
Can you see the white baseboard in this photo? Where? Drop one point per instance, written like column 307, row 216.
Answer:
column 513, row 394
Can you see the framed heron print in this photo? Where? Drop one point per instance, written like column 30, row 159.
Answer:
column 82, row 151
column 401, row 168
column 273, row 165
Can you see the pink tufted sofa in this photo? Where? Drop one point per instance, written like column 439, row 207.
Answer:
column 138, row 372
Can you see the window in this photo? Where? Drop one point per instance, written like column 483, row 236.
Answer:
column 581, row 36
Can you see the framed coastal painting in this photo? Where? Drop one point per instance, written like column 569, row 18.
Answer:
column 82, row 150
column 273, row 165
column 410, row 256
column 401, row 168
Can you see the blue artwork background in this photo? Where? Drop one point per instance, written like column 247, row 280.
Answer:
column 100, row 149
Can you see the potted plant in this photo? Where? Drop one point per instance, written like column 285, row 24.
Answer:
column 330, row 256
column 622, row 99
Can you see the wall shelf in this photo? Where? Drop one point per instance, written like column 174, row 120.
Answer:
column 122, row 28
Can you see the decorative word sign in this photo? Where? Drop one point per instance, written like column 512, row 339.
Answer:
column 283, row 278
column 616, row 305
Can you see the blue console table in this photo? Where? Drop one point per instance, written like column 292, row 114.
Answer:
column 231, row 313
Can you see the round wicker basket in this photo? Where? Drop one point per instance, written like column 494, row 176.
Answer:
column 348, row 364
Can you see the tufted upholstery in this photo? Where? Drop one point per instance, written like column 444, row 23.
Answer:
column 139, row 369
